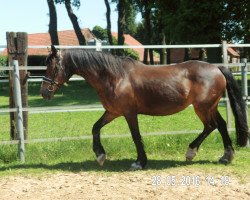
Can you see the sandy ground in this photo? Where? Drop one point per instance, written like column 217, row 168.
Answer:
column 125, row 185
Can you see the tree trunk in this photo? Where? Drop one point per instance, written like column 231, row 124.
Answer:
column 53, row 23
column 163, row 54
column 75, row 24
column 147, row 26
column 151, row 56
column 145, row 56
column 121, row 24
column 109, row 25
column 168, row 56
column 188, row 54
column 202, row 55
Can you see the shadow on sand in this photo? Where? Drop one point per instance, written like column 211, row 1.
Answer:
column 109, row 165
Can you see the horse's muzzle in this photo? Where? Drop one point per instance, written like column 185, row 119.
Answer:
column 46, row 94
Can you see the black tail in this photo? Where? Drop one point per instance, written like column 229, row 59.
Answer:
column 238, row 107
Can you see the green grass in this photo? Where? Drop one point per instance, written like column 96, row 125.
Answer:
column 164, row 152
column 75, row 93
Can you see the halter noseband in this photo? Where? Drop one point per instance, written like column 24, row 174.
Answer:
column 52, row 83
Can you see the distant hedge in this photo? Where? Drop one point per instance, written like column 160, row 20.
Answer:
column 36, row 60
column 3, row 62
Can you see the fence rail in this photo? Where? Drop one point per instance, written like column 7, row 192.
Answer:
column 88, row 137
column 9, row 68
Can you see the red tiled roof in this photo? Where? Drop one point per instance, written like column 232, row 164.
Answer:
column 232, row 52
column 67, row 37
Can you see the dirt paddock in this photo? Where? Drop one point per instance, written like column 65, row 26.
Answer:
column 166, row 184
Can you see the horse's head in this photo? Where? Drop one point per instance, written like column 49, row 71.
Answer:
column 55, row 75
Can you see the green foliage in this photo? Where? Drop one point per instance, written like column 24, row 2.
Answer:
column 130, row 16
column 236, row 17
column 131, row 53
column 100, row 33
column 3, row 62
column 193, row 22
column 75, row 3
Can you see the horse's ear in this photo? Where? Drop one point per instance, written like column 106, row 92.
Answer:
column 53, row 50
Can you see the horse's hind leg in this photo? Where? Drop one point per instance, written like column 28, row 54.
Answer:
column 194, row 146
column 228, row 148
column 97, row 146
column 206, row 117
column 141, row 161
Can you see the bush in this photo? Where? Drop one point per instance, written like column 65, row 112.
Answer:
column 36, row 60
column 3, row 62
column 131, row 53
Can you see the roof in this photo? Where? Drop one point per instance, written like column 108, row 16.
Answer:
column 67, row 37
column 232, row 52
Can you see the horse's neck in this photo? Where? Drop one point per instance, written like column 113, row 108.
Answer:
column 98, row 80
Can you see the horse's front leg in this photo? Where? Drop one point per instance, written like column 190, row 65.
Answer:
column 97, row 146
column 141, row 161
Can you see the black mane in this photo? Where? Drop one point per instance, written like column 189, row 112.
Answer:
column 98, row 61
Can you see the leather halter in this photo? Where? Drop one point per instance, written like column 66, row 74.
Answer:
column 51, row 81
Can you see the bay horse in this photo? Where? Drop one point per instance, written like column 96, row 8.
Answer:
column 127, row 87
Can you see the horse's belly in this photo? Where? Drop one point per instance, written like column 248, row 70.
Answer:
column 164, row 106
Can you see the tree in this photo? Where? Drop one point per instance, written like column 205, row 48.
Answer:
column 197, row 22
column 73, row 18
column 130, row 16
column 53, row 23
column 100, row 33
column 109, row 34
column 145, row 7
column 121, row 24
column 237, row 23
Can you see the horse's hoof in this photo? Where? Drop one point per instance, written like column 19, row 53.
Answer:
column 191, row 153
column 135, row 166
column 224, row 161
column 227, row 157
column 101, row 159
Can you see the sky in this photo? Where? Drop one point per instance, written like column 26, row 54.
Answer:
column 31, row 16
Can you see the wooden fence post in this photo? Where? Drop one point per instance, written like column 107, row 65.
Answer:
column 17, row 45
column 11, row 48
